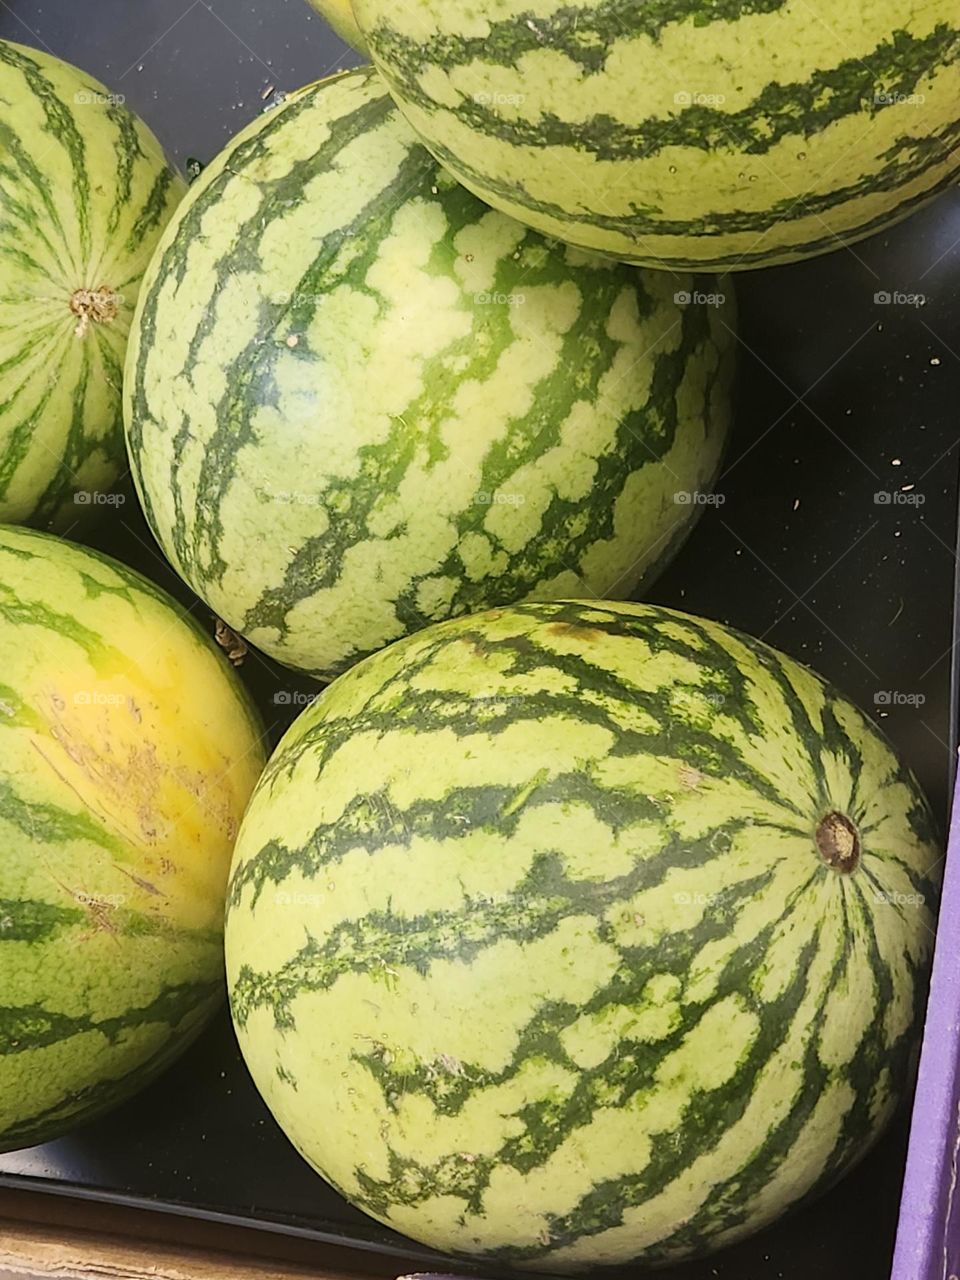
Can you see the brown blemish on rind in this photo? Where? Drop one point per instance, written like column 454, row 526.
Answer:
column 577, row 630
column 127, row 777
column 99, row 305
column 690, row 777
column 838, row 842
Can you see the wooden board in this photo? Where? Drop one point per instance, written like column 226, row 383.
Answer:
column 80, row 1240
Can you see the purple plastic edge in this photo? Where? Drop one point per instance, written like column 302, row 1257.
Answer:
column 925, row 1230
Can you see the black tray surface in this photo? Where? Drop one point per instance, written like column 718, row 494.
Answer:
column 848, row 395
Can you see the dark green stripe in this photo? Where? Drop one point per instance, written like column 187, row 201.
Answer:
column 153, row 213
column 61, row 125
column 49, row 824
column 127, row 151
column 233, row 422
column 803, row 108
column 922, row 154
column 382, row 941
column 27, row 920
column 583, row 33
column 84, row 1102
column 25, row 1028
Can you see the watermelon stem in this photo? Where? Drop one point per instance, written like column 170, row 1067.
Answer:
column 839, row 842
column 100, row 305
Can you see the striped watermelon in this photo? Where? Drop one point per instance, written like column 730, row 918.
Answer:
column 84, row 194
column 127, row 754
column 339, row 13
column 359, row 401
column 572, row 933
column 684, row 134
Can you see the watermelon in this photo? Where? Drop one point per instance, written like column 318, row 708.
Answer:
column 127, row 753
column 700, row 136
column 358, row 401
column 573, row 933
column 339, row 13
column 84, row 193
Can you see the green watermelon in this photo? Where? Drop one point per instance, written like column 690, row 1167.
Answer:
column 127, row 753
column 572, row 933
column 358, row 401
column 339, row 13
column 84, row 193
column 684, row 134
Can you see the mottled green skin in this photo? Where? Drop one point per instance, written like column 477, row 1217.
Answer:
column 532, row 951
column 359, row 401
column 127, row 753
column 679, row 134
column 84, row 193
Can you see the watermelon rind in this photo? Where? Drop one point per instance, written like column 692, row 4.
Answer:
column 85, row 191
column 128, row 750
column 578, row 933
column 679, row 134
column 359, row 401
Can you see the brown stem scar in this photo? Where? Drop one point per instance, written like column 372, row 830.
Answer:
column 99, row 305
column 838, row 842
